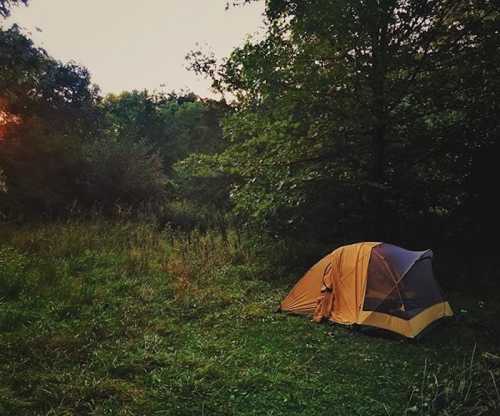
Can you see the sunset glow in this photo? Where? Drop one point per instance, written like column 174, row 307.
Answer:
column 6, row 120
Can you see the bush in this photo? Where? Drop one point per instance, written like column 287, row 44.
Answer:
column 118, row 173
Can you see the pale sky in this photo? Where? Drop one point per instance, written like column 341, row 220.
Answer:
column 131, row 44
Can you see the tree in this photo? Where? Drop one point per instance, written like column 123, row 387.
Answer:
column 176, row 125
column 34, row 84
column 359, row 118
column 6, row 5
column 49, row 109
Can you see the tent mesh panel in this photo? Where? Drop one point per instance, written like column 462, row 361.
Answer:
column 404, row 297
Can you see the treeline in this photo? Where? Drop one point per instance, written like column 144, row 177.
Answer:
column 352, row 120
column 63, row 146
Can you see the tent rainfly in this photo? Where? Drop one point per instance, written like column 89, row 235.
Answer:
column 373, row 284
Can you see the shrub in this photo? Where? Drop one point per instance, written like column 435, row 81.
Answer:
column 118, row 173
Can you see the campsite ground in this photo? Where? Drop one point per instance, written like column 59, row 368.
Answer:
column 99, row 319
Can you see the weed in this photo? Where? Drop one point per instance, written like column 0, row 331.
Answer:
column 467, row 389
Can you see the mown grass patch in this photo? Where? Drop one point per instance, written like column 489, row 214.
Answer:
column 122, row 319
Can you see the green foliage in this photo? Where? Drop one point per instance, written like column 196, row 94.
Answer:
column 62, row 146
column 48, row 110
column 199, row 178
column 42, row 169
column 6, row 5
column 122, row 173
column 177, row 125
column 35, row 84
column 358, row 120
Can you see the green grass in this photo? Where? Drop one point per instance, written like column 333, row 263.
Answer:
column 120, row 319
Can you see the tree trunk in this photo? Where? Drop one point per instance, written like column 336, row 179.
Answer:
column 379, row 112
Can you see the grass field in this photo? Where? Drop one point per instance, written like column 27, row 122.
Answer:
column 120, row 319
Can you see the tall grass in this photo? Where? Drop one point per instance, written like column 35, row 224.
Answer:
column 72, row 261
column 82, row 304
column 130, row 318
column 468, row 389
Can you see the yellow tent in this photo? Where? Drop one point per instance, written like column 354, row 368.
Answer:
column 374, row 284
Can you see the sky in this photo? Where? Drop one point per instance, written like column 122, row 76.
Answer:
column 130, row 44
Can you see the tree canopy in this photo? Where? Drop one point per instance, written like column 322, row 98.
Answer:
column 6, row 5
column 62, row 143
column 360, row 118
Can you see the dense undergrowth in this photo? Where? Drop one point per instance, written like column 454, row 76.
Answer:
column 100, row 318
